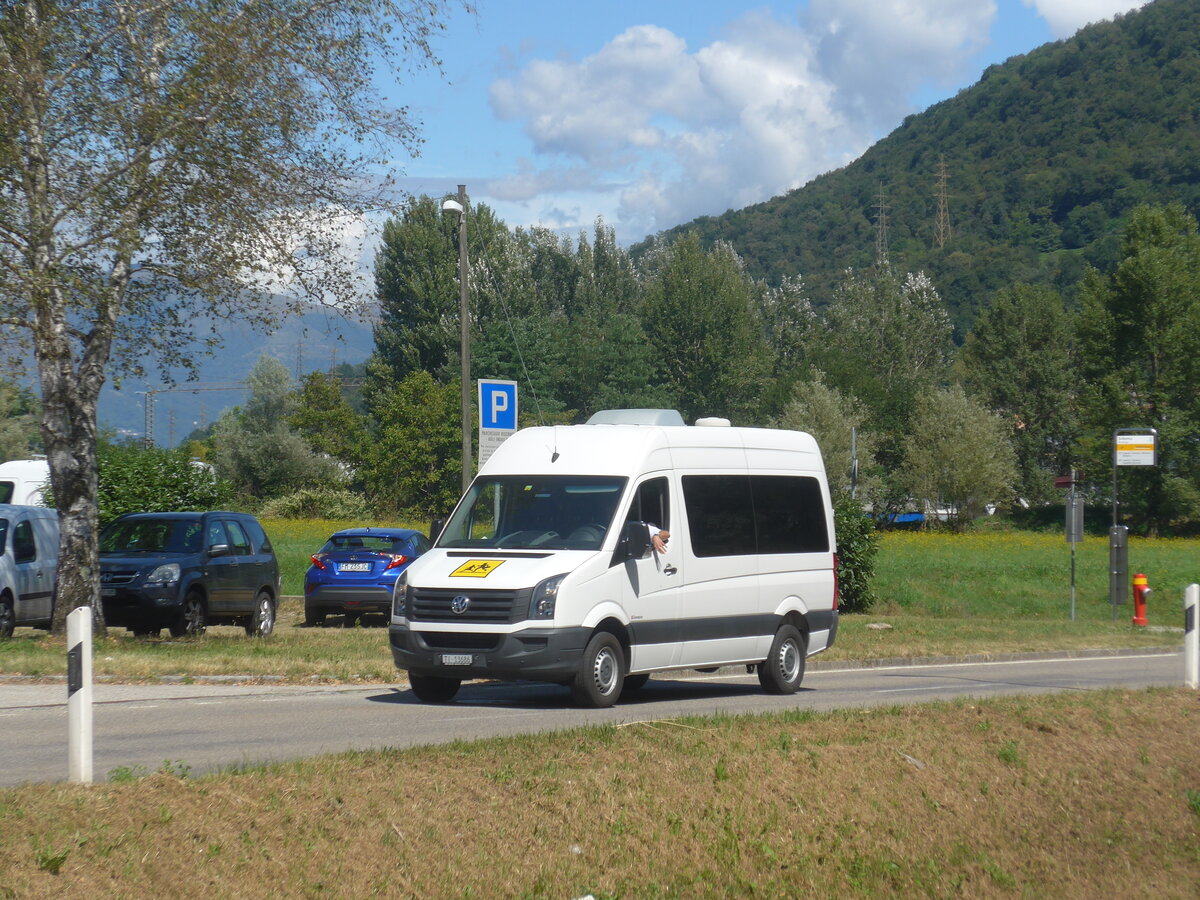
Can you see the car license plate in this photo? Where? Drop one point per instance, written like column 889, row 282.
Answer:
column 457, row 659
column 354, row 567
column 108, row 592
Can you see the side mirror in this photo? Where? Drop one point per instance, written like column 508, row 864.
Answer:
column 435, row 528
column 218, row 550
column 635, row 541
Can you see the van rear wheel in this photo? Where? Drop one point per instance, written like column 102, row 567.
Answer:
column 601, row 674
column 783, row 670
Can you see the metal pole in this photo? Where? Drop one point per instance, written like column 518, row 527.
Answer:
column 79, row 695
column 1191, row 637
column 464, row 309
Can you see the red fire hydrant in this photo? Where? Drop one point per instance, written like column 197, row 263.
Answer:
column 1141, row 590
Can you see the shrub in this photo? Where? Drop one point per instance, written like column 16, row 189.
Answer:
column 152, row 479
column 857, row 545
column 317, row 503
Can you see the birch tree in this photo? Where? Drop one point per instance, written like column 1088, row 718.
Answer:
column 162, row 164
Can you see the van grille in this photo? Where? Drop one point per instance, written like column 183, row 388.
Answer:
column 492, row 607
column 439, row 640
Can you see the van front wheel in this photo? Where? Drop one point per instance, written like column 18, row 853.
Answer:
column 601, row 672
column 783, row 670
column 433, row 688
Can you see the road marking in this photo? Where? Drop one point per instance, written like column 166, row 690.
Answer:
column 937, row 687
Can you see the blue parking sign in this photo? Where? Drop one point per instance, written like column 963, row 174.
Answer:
column 498, row 405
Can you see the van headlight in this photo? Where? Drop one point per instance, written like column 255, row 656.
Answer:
column 167, row 573
column 400, row 596
column 541, row 604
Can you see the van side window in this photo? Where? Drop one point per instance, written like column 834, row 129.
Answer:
column 737, row 515
column 652, row 504
column 789, row 514
column 6, row 491
column 720, row 513
column 24, row 549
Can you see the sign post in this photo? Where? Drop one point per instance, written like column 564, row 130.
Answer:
column 497, row 415
column 79, row 695
column 1131, row 447
column 1074, row 528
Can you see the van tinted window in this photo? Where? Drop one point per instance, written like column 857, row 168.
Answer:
column 24, row 549
column 736, row 515
column 6, row 491
column 720, row 512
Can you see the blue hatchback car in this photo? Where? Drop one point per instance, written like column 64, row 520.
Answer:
column 355, row 572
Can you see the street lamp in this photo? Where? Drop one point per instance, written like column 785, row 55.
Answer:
column 460, row 206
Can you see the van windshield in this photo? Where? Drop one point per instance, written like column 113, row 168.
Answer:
column 542, row 512
column 151, row 536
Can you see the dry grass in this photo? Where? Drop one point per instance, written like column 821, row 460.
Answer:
column 1080, row 795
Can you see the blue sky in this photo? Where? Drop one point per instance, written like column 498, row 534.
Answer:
column 650, row 113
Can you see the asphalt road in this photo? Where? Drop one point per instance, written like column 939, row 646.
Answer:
column 208, row 727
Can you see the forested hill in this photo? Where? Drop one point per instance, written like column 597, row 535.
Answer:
column 1043, row 158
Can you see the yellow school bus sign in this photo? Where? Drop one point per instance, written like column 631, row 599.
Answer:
column 477, row 568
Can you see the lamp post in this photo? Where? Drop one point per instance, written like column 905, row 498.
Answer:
column 460, row 206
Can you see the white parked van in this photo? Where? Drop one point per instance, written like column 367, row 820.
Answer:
column 22, row 481
column 28, row 563
column 546, row 571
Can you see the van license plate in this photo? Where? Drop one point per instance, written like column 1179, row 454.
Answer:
column 457, row 659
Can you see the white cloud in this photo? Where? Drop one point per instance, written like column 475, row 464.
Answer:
column 674, row 133
column 1065, row 17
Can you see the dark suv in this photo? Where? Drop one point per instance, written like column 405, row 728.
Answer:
column 187, row 570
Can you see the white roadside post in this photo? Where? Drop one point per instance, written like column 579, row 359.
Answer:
column 1191, row 637
column 79, row 695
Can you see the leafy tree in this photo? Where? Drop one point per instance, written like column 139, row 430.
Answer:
column 836, row 421
column 257, row 450
column 416, row 283
column 1139, row 345
column 19, row 415
column 885, row 339
column 413, row 461
column 1017, row 361
column 958, row 457
column 160, row 160
column 703, row 325
column 133, row 478
column 324, row 417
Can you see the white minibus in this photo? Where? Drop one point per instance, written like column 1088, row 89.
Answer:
column 546, row 570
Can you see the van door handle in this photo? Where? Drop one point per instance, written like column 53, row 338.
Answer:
column 670, row 570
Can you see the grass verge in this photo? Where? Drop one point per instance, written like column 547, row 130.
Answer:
column 941, row 595
column 1073, row 795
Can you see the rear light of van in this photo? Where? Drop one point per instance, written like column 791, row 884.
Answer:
column 836, row 590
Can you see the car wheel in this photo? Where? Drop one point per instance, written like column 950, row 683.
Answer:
column 601, row 672
column 313, row 617
column 262, row 623
column 433, row 688
column 8, row 618
column 349, row 620
column 192, row 619
column 783, row 670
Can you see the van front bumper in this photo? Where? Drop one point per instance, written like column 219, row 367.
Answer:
column 535, row 654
